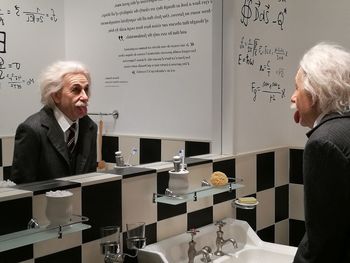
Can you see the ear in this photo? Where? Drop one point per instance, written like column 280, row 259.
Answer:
column 56, row 97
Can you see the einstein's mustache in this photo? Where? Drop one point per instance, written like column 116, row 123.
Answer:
column 81, row 104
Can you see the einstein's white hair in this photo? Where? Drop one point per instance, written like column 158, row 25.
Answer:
column 326, row 69
column 51, row 79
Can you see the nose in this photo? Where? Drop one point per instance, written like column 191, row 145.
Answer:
column 292, row 98
column 83, row 95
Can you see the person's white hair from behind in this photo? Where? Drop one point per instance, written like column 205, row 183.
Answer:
column 51, row 79
column 326, row 69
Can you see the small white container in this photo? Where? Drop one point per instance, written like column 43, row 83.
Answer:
column 59, row 207
column 178, row 182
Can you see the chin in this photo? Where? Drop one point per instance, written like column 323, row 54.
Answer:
column 306, row 125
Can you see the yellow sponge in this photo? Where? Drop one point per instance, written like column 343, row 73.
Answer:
column 247, row 200
column 218, row 179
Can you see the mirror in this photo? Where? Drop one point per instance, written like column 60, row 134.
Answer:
column 150, row 60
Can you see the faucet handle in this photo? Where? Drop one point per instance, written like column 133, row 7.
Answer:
column 193, row 232
column 220, row 223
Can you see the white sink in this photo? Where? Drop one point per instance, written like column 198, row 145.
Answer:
column 251, row 249
column 259, row 254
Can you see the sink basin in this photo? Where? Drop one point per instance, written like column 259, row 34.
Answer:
column 251, row 249
column 255, row 255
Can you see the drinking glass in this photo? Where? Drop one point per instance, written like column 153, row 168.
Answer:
column 135, row 235
column 110, row 239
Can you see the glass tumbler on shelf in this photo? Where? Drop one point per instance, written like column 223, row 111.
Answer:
column 110, row 240
column 135, row 235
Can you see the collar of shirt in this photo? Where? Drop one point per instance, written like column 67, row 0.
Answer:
column 65, row 123
column 318, row 119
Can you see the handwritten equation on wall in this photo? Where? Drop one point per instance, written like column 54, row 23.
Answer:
column 12, row 73
column 253, row 50
column 266, row 61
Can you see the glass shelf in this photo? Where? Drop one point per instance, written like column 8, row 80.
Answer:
column 34, row 235
column 195, row 194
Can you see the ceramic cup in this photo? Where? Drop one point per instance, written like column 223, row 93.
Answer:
column 59, row 207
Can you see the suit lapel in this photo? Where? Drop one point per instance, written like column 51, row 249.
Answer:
column 54, row 133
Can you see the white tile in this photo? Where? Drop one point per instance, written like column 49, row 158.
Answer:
column 296, row 202
column 178, row 226
column 7, row 193
column 8, row 144
column 196, row 174
column 215, row 157
column 92, row 178
column 39, row 205
column 223, row 210
column 265, row 210
column 28, row 261
column 1, row 173
column 159, row 166
column 126, row 144
column 137, row 205
column 201, row 203
column 246, row 169
column 171, row 148
column 91, row 252
column 281, row 166
column 51, row 246
column 55, row 245
column 282, row 232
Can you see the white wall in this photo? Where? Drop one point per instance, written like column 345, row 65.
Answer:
column 261, row 118
column 176, row 103
column 33, row 40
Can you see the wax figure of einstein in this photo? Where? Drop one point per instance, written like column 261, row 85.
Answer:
column 322, row 101
column 60, row 139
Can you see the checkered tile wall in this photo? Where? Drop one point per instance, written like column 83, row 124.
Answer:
column 272, row 177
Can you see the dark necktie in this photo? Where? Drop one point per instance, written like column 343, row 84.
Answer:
column 71, row 137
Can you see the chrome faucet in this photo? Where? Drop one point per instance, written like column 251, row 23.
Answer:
column 192, row 252
column 220, row 241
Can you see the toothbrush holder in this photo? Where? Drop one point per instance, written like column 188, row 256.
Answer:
column 178, row 182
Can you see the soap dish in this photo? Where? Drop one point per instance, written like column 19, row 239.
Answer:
column 238, row 204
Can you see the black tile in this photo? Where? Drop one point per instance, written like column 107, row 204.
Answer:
column 131, row 171
column 196, row 161
column 248, row 215
column 226, row 166
column 223, row 197
column 42, row 187
column 165, row 210
column 151, row 233
column 296, row 231
column 101, row 203
column 267, row 234
column 162, row 182
column 7, row 172
column 110, row 145
column 265, row 168
column 151, row 237
column 193, row 148
column 72, row 255
column 17, row 255
column 0, row 152
column 150, row 150
column 200, row 218
column 18, row 214
column 296, row 166
column 281, row 203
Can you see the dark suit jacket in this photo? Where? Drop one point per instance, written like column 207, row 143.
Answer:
column 326, row 171
column 41, row 153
